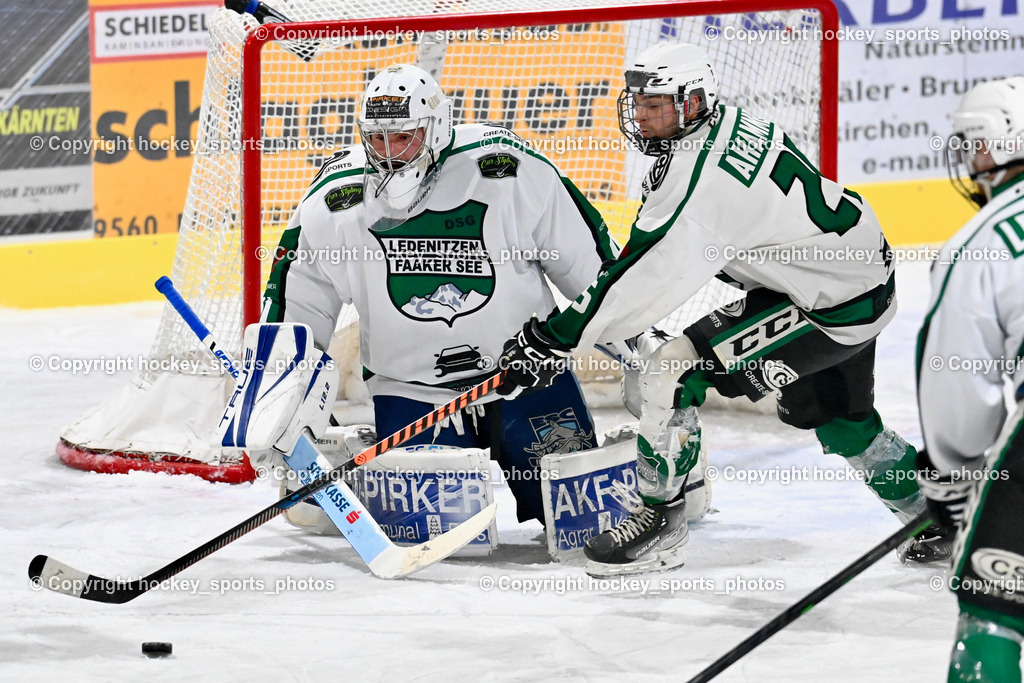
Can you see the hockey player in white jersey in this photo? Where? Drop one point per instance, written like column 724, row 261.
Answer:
column 731, row 196
column 971, row 348
column 441, row 236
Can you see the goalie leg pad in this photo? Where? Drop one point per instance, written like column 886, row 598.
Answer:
column 580, row 496
column 417, row 493
column 588, row 492
column 286, row 385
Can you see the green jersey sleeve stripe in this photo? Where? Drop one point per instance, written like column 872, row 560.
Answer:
column 274, row 295
column 922, row 336
column 694, row 177
column 722, row 277
column 334, row 176
column 567, row 327
column 593, row 219
column 498, row 141
column 860, row 310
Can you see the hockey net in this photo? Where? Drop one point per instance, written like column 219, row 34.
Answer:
column 552, row 76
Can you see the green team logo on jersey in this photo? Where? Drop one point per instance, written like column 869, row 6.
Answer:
column 438, row 267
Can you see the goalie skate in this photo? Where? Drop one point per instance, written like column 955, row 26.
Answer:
column 650, row 540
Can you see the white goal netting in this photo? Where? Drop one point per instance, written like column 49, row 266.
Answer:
column 552, row 78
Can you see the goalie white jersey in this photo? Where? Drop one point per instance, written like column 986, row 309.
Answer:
column 973, row 334
column 438, row 295
column 741, row 202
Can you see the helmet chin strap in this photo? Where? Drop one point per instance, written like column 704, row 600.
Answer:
column 988, row 180
column 992, row 178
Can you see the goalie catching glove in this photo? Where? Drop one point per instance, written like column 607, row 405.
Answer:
column 530, row 360
column 946, row 497
column 286, row 385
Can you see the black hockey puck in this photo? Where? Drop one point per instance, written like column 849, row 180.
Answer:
column 156, row 649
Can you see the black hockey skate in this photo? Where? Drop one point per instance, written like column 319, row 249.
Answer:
column 930, row 547
column 651, row 539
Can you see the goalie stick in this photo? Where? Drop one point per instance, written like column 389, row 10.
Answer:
column 813, row 598
column 60, row 578
column 339, row 503
column 63, row 578
column 166, row 287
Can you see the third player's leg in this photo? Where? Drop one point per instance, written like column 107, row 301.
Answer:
column 838, row 404
column 989, row 567
column 752, row 348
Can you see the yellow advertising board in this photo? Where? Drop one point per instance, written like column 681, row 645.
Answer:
column 148, row 61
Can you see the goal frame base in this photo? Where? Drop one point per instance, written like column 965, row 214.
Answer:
column 123, row 462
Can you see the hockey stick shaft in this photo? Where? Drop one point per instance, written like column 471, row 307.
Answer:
column 362, row 542
column 62, row 578
column 813, row 598
column 166, row 287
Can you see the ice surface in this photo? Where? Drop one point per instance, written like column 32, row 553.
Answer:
column 333, row 621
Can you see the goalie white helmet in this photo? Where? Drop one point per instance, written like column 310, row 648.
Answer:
column 677, row 77
column 987, row 143
column 405, row 122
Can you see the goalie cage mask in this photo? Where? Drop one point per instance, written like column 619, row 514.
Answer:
column 403, row 108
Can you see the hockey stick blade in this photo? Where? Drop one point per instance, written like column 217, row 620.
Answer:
column 397, row 562
column 56, row 576
column 384, row 558
column 813, row 598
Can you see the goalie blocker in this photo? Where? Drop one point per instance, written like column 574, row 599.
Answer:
column 418, row 492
